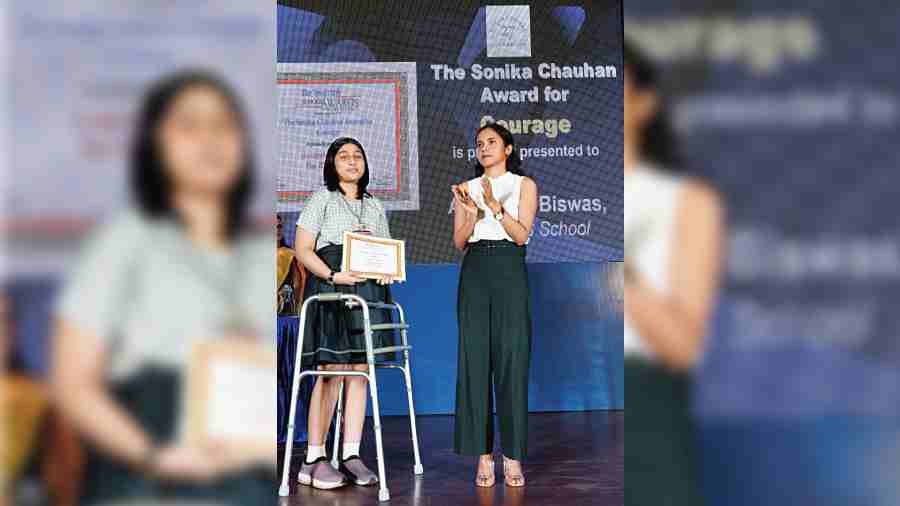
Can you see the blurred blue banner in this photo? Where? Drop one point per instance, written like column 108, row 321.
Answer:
column 792, row 111
column 792, row 114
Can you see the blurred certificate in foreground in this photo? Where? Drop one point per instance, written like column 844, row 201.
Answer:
column 373, row 257
column 231, row 395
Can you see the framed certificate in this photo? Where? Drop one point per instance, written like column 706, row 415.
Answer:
column 230, row 395
column 373, row 257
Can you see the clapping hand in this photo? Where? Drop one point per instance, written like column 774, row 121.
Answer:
column 489, row 199
column 461, row 195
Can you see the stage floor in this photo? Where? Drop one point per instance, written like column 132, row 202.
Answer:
column 575, row 458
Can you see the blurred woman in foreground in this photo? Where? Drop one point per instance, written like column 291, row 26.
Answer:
column 673, row 230
column 176, row 271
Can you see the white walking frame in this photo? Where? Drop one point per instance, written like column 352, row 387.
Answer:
column 352, row 300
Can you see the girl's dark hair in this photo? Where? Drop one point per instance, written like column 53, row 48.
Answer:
column 151, row 184
column 329, row 171
column 658, row 140
column 513, row 162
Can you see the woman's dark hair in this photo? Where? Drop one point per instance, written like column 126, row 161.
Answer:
column 658, row 140
column 151, row 184
column 329, row 170
column 513, row 162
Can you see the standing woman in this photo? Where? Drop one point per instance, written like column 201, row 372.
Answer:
column 494, row 214
column 673, row 229
column 333, row 337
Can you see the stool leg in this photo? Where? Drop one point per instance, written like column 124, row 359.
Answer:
column 335, row 462
column 418, row 470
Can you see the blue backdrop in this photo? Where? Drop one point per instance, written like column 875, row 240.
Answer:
column 791, row 110
column 577, row 353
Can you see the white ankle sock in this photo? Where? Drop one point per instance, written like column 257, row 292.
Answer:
column 350, row 450
column 314, row 452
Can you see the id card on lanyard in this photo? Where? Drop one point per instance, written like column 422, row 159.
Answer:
column 359, row 227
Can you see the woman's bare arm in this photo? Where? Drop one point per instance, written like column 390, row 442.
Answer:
column 674, row 325
column 304, row 247
column 520, row 229
column 79, row 387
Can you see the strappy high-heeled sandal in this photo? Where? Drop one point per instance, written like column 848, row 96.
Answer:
column 484, row 479
column 512, row 480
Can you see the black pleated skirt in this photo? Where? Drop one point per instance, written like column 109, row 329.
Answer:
column 153, row 398
column 333, row 332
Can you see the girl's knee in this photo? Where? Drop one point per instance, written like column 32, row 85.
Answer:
column 355, row 380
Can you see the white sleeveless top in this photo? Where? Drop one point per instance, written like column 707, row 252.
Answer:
column 651, row 202
column 506, row 189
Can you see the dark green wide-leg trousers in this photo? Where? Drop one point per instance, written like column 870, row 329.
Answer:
column 661, row 467
column 494, row 313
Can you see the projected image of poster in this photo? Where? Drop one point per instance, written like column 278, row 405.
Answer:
column 81, row 73
column 373, row 103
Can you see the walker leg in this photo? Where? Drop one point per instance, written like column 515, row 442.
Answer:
column 417, row 469
column 335, row 462
column 407, row 377
column 383, row 494
column 285, row 490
